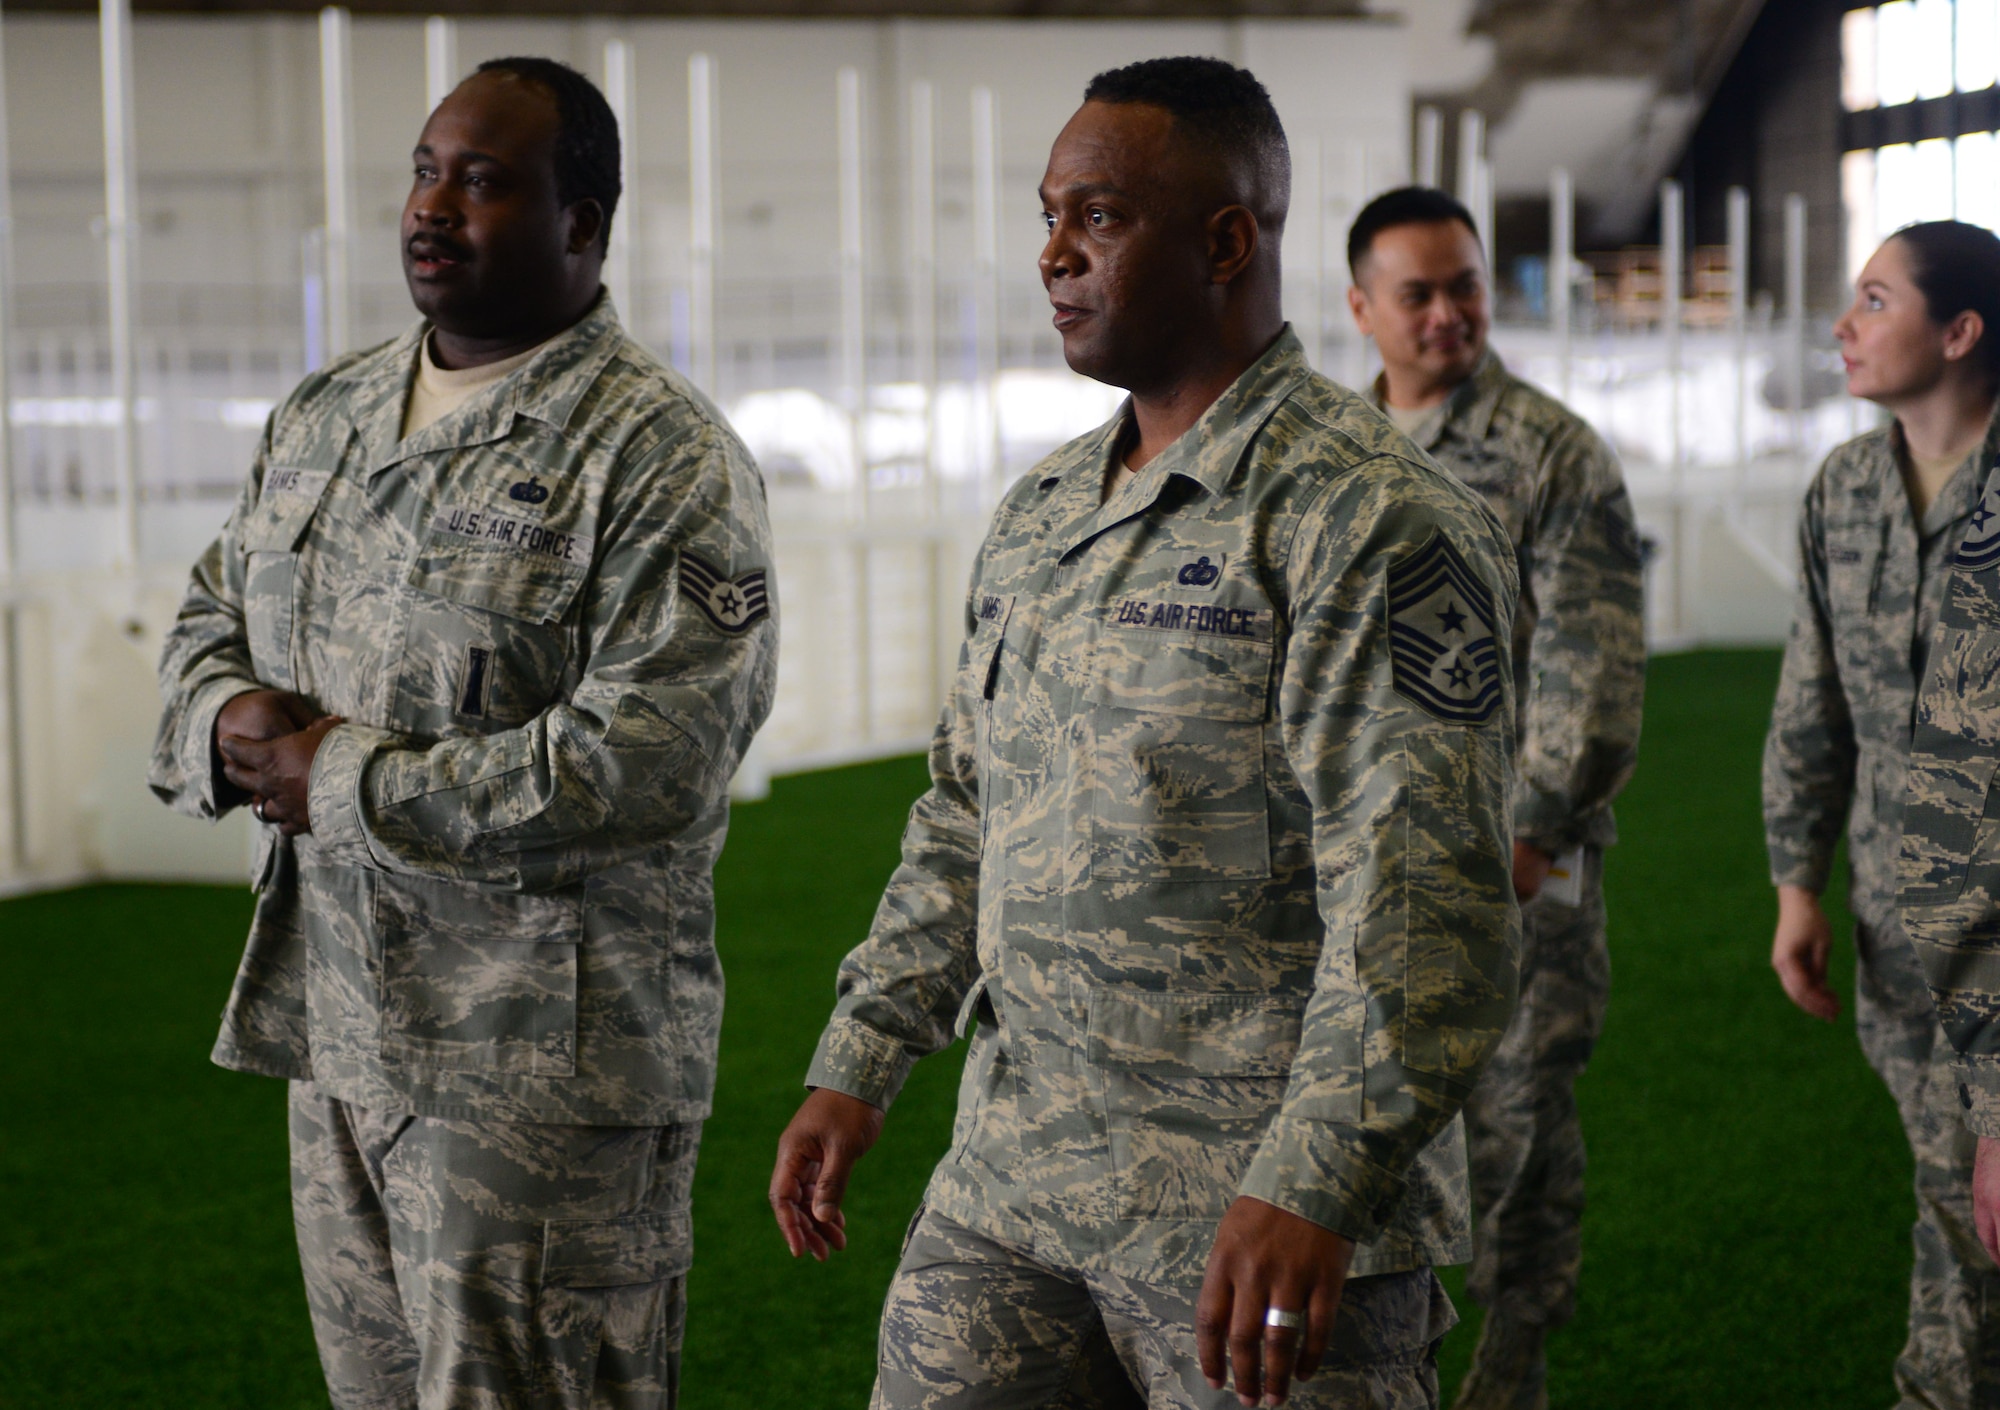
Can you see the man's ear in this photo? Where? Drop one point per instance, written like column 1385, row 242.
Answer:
column 1357, row 304
column 586, row 225
column 1233, row 239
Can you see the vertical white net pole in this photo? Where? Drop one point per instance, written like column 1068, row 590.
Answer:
column 1562, row 265
column 440, row 60
column 618, row 259
column 1739, row 325
column 120, row 203
column 1795, row 318
column 854, row 381
column 853, row 359
column 1471, row 147
column 702, row 197
column 921, row 261
column 1672, row 262
column 1430, row 146
column 1307, row 226
column 337, row 146
column 986, row 283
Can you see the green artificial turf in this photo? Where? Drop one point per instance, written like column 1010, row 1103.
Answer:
column 1746, row 1243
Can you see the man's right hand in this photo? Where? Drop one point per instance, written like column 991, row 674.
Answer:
column 815, row 1155
column 1800, row 949
column 259, row 715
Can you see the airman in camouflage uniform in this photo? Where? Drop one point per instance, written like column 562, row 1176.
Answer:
column 1213, row 867
column 486, row 962
column 1877, row 586
column 1579, row 662
column 1213, row 870
column 1873, row 578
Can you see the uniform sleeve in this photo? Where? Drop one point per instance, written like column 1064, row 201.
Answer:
column 204, row 664
column 644, row 744
column 1810, row 752
column 1416, row 979
column 899, row 991
column 1587, row 655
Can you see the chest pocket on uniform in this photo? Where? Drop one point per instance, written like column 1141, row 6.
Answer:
column 489, row 635
column 1177, row 753
column 269, row 540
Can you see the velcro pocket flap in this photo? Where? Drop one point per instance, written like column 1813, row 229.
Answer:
column 1193, row 1034
column 616, row 1253
column 499, row 563
column 285, row 505
column 1211, row 677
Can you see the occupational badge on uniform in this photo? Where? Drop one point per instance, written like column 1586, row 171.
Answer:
column 528, row 491
column 734, row 605
column 1200, row 573
column 1441, row 635
column 1980, row 548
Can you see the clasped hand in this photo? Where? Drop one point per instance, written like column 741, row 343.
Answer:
column 267, row 740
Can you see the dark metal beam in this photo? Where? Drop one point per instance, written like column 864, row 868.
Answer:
column 753, row 9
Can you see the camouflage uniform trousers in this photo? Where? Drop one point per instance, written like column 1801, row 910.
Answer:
column 1523, row 1136
column 484, row 1265
column 975, row 1324
column 1952, row 1358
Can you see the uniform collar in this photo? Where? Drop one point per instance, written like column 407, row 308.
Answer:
column 1472, row 405
column 547, row 388
column 1207, row 453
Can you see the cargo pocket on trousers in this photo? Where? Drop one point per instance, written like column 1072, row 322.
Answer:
column 611, row 1307
column 1190, row 1083
column 476, row 980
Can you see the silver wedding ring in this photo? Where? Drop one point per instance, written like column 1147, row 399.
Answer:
column 258, row 808
column 1290, row 1321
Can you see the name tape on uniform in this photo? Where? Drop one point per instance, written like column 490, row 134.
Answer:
column 530, row 537
column 1194, row 618
column 293, row 479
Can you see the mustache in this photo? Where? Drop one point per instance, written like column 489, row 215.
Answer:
column 428, row 245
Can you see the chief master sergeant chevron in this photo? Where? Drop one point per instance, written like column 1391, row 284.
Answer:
column 1215, row 861
column 481, row 645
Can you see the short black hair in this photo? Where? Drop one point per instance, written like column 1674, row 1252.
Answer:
column 587, row 150
column 1406, row 205
column 1217, row 103
column 1956, row 267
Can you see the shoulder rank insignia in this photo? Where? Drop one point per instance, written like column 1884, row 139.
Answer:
column 528, row 491
column 1980, row 548
column 1441, row 644
column 734, row 605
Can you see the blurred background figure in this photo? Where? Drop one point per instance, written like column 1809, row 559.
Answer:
column 1420, row 291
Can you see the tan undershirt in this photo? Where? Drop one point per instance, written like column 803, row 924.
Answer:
column 1923, row 477
column 436, row 392
column 1420, row 425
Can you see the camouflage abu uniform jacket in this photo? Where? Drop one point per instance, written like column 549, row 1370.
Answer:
column 1948, row 869
column 546, row 622
column 1871, row 581
column 1580, row 631
column 1216, row 848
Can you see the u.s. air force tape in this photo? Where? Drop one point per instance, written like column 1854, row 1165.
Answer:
column 1441, row 648
column 735, row 604
column 1192, row 618
column 493, row 528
